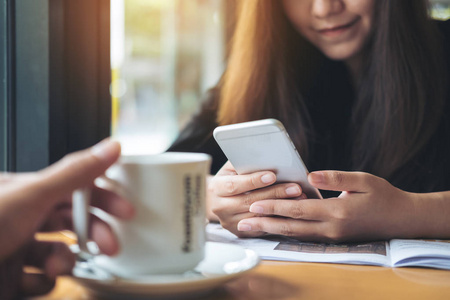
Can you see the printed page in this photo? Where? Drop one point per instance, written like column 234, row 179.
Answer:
column 421, row 253
column 288, row 249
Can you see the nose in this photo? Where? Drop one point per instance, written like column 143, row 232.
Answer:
column 326, row 8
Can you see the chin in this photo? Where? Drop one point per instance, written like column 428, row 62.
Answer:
column 342, row 52
column 340, row 55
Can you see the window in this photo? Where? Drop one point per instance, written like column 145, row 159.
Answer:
column 164, row 55
column 56, row 76
column 440, row 9
column 57, row 79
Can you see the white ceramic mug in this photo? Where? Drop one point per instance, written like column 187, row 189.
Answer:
column 167, row 234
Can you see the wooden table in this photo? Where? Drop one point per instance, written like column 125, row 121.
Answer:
column 280, row 280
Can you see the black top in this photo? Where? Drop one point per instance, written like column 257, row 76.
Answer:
column 330, row 116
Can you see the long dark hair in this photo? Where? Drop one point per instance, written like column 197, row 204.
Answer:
column 398, row 103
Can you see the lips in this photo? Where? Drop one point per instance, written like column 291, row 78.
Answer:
column 336, row 30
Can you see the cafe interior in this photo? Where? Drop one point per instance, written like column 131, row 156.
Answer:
column 74, row 72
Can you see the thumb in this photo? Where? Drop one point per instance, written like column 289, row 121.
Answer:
column 79, row 169
column 341, row 181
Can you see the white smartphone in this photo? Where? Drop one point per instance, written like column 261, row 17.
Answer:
column 264, row 145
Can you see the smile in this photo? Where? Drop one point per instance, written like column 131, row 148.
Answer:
column 337, row 30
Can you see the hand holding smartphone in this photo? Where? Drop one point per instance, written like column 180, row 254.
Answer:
column 264, row 145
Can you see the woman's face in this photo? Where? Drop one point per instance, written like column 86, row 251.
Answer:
column 338, row 28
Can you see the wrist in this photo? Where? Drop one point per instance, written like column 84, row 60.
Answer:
column 431, row 212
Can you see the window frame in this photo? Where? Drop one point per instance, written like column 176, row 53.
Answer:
column 55, row 77
column 6, row 71
column 3, row 86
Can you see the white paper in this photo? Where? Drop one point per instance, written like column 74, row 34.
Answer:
column 425, row 253
column 396, row 253
column 288, row 249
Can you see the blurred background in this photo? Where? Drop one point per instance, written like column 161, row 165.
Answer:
column 73, row 72
column 164, row 55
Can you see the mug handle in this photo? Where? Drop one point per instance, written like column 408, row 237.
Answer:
column 81, row 199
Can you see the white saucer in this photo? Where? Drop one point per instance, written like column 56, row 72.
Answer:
column 222, row 263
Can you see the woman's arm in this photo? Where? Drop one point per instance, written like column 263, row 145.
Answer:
column 432, row 215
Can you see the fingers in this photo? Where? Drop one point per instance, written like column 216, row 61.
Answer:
column 231, row 224
column 112, row 203
column 343, row 181
column 305, row 230
column 231, row 195
column 241, row 203
column 230, row 185
column 18, row 281
column 313, row 210
column 99, row 231
column 78, row 169
column 35, row 284
column 103, row 235
column 61, row 217
column 54, row 258
column 106, row 199
column 231, row 210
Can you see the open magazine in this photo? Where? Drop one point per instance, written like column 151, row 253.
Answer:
column 395, row 253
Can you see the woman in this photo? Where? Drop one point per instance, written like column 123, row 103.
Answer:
column 360, row 85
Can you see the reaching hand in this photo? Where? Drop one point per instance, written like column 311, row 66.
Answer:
column 41, row 201
column 368, row 208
